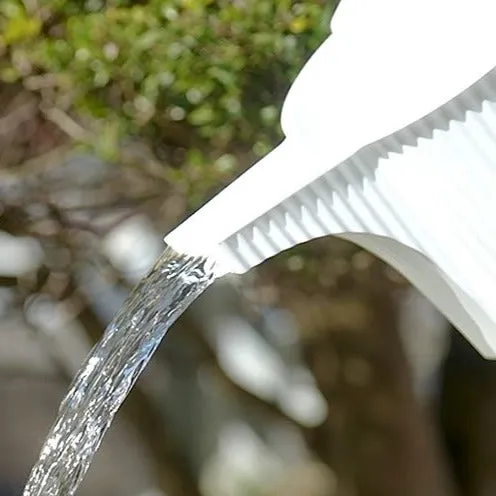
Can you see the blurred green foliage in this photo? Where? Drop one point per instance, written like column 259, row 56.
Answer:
column 216, row 70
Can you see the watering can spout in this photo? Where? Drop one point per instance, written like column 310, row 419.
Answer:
column 398, row 157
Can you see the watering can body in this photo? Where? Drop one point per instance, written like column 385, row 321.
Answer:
column 390, row 143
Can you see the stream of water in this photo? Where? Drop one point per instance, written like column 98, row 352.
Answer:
column 112, row 368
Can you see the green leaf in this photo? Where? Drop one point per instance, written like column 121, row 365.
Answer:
column 21, row 28
column 202, row 115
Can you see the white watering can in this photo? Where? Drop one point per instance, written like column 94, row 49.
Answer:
column 390, row 143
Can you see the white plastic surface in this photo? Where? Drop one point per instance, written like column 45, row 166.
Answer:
column 369, row 158
column 387, row 64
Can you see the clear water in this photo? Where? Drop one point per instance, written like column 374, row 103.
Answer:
column 112, row 368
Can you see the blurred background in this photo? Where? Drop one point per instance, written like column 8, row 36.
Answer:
column 320, row 373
